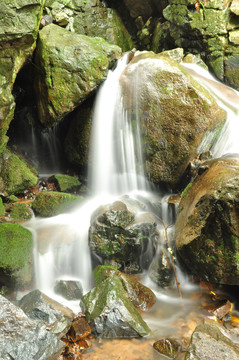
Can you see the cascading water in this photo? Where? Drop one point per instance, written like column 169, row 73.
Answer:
column 116, row 170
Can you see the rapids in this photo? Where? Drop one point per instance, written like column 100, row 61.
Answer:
column 61, row 242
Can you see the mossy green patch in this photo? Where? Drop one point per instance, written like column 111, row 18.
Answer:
column 2, row 207
column 21, row 211
column 66, row 183
column 50, row 203
column 15, row 246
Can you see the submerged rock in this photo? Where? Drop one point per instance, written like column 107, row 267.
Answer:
column 69, row 289
column 16, row 247
column 174, row 113
column 168, row 347
column 73, row 66
column 110, row 312
column 117, row 234
column 56, row 317
column 22, row 338
column 211, row 341
column 207, row 227
column 50, row 203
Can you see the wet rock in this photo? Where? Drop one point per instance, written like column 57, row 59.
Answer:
column 211, row 341
column 219, row 308
column 79, row 329
column 141, row 296
column 50, row 203
column 161, row 270
column 16, row 247
column 168, row 347
column 170, row 138
column 122, row 236
column 18, row 33
column 207, row 232
column 21, row 211
column 56, row 317
column 65, row 183
column 73, row 66
column 111, row 314
column 22, row 338
column 69, row 289
column 15, row 175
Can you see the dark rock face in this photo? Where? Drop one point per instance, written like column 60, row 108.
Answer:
column 207, row 227
column 56, row 317
column 22, row 338
column 161, row 269
column 116, row 234
column 174, row 112
column 110, row 312
column 208, row 341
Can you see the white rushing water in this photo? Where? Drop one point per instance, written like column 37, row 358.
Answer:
column 61, row 249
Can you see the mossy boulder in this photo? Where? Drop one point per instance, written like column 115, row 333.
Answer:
column 69, row 67
column 21, row 211
column 2, row 207
column 140, row 295
column 91, row 18
column 65, row 183
column 170, row 137
column 15, row 174
column 51, row 203
column 207, row 228
column 19, row 24
column 16, row 245
column 110, row 312
column 118, row 235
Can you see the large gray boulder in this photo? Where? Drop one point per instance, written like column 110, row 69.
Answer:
column 207, row 227
column 22, row 338
column 174, row 113
column 69, row 67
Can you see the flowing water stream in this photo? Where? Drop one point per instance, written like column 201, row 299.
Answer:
column 61, row 250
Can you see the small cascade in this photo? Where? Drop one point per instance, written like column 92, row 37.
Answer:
column 117, row 160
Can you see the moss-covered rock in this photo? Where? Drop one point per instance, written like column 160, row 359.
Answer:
column 2, row 207
column 21, row 211
column 170, row 138
column 68, row 69
column 207, row 231
column 91, row 18
column 119, row 235
column 15, row 175
column 16, row 246
column 51, row 203
column 19, row 24
column 110, row 312
column 65, row 183
column 140, row 295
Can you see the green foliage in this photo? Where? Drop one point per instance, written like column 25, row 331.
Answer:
column 186, row 190
column 2, row 207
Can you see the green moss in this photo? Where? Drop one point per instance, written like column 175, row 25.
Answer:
column 98, row 272
column 67, row 183
column 15, row 246
column 21, row 211
column 50, row 203
column 2, row 207
column 186, row 190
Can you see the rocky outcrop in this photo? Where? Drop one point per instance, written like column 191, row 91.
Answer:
column 174, row 112
column 51, row 203
column 56, row 317
column 65, row 183
column 22, row 338
column 207, row 229
column 69, row 67
column 18, row 32
column 69, row 289
column 121, row 237
column 211, row 341
column 161, row 269
column 110, row 312
column 16, row 247
column 91, row 18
